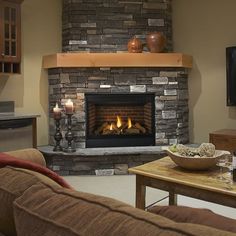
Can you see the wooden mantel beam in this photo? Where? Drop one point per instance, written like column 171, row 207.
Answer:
column 117, row 60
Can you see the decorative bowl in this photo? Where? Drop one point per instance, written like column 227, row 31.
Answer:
column 196, row 163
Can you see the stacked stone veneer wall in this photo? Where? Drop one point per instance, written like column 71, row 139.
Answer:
column 107, row 25
column 169, row 85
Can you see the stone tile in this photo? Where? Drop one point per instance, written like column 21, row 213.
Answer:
column 169, row 114
column 162, row 142
column 137, row 88
column 53, row 76
column 170, row 92
column 130, row 23
column 105, row 86
column 124, row 80
column 156, row 22
column 160, row 80
column 159, row 104
column 104, row 172
column 78, row 42
column 82, row 166
column 64, row 78
column 80, row 96
column 56, row 168
column 97, row 78
column 169, row 73
column 157, row 6
column 183, row 94
column 120, row 89
column 88, row 25
column 160, row 135
column 168, row 98
column 121, row 169
column 173, row 141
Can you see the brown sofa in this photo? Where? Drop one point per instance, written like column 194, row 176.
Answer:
column 32, row 204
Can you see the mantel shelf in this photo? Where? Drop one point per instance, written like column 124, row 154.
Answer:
column 117, row 60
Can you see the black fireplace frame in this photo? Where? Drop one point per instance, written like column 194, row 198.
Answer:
column 116, row 140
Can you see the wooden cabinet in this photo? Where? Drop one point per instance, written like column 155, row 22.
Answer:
column 10, row 36
column 224, row 139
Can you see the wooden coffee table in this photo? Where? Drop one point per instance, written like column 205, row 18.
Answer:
column 165, row 175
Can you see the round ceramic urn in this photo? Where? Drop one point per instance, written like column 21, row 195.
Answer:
column 156, row 42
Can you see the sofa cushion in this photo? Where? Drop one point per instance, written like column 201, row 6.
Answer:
column 13, row 182
column 196, row 216
column 52, row 211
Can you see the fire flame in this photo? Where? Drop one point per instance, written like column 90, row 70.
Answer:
column 129, row 123
column 111, row 128
column 118, row 122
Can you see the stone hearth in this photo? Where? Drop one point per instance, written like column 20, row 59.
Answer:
column 100, row 161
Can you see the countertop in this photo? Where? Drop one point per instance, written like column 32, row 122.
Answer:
column 16, row 116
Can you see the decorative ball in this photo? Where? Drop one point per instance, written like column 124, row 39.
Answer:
column 135, row 45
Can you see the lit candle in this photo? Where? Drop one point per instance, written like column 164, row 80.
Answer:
column 57, row 112
column 69, row 107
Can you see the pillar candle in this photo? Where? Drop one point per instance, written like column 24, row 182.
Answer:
column 69, row 107
column 57, row 112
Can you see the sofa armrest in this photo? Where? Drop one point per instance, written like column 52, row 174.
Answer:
column 29, row 154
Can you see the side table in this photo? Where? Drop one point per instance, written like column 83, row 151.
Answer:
column 224, row 139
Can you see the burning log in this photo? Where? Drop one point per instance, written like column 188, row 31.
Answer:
column 100, row 129
column 132, row 131
column 141, row 128
column 108, row 132
column 110, row 129
column 113, row 125
column 120, row 127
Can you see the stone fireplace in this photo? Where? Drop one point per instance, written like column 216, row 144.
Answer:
column 95, row 63
column 169, row 87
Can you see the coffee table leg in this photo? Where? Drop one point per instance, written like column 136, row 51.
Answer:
column 140, row 193
column 172, row 198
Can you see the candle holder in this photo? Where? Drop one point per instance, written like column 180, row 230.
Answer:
column 57, row 135
column 69, row 135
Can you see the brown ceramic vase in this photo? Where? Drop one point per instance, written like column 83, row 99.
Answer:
column 156, row 42
column 135, row 45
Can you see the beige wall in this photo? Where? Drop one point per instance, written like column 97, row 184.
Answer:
column 41, row 35
column 203, row 29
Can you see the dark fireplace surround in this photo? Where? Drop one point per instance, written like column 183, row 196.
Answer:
column 107, row 26
column 106, row 108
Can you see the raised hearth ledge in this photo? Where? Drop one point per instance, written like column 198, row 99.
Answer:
column 117, row 60
column 145, row 150
column 91, row 161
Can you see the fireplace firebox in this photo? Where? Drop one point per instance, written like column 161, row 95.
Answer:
column 116, row 120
